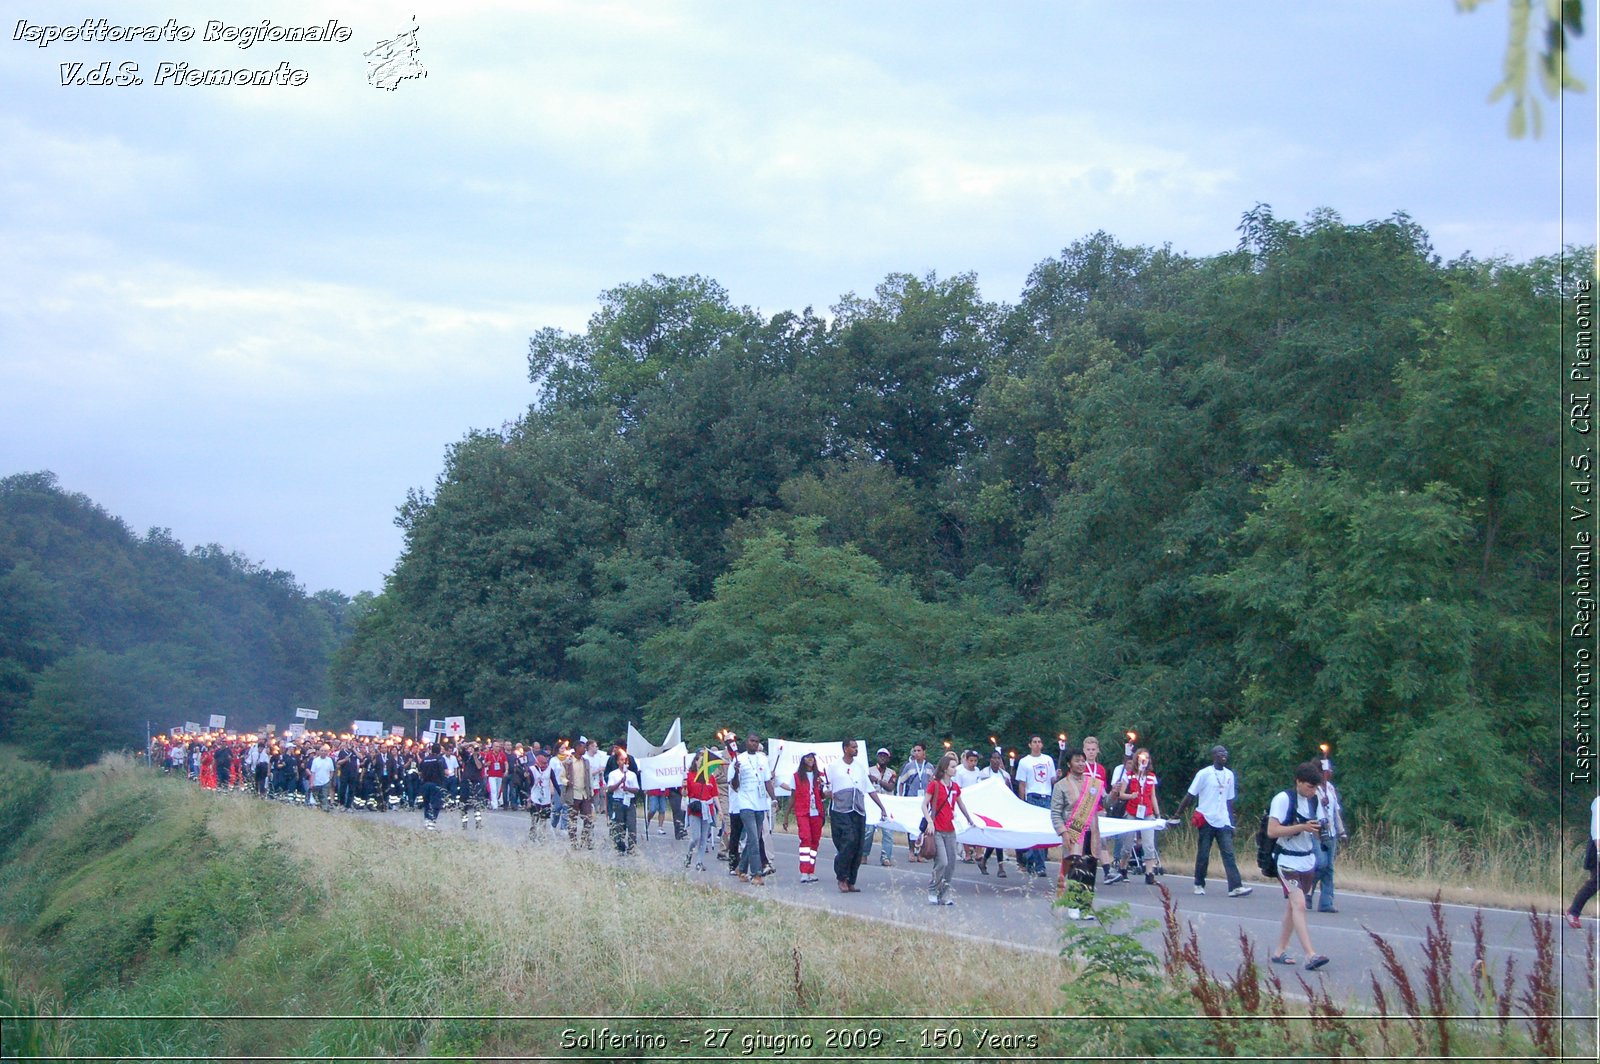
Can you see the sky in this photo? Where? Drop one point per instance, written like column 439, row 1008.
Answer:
column 257, row 315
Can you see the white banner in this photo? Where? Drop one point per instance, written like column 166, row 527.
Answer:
column 429, row 737
column 640, row 748
column 1113, row 826
column 785, row 755
column 1003, row 820
column 398, row 731
column 190, row 727
column 436, row 726
column 366, row 727
column 307, row 714
column 297, row 729
column 664, row 771
column 416, row 703
column 455, row 727
column 218, row 721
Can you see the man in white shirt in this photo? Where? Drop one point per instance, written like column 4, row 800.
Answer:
column 322, row 778
column 850, row 787
column 751, row 779
column 1294, row 822
column 1213, row 790
column 967, row 774
column 1036, row 777
column 622, row 787
column 1333, row 833
column 883, row 777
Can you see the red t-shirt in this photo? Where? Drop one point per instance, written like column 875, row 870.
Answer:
column 1141, row 795
column 942, row 797
column 495, row 763
column 705, row 790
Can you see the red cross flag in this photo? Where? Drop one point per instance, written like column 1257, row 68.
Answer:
column 455, row 727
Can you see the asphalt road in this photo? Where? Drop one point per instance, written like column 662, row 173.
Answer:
column 1019, row 910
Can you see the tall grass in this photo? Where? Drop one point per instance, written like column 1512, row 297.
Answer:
column 1490, row 865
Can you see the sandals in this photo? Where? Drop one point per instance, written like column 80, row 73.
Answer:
column 1284, row 958
column 1316, row 962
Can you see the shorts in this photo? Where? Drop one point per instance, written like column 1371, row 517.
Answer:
column 1304, row 880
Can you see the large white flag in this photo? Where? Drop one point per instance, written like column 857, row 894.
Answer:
column 664, row 771
column 640, row 748
column 785, row 755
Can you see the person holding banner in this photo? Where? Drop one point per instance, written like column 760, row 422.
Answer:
column 700, row 789
column 1074, row 814
column 751, row 780
column 848, row 789
column 808, row 803
column 939, row 805
column 1138, row 790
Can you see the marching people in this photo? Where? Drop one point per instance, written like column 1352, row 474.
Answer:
column 1295, row 821
column 1591, row 863
column 915, row 775
column 939, row 805
column 883, row 777
column 1036, row 775
column 997, row 768
column 751, row 779
column 1214, row 790
column 700, row 790
column 848, row 789
column 1333, row 834
column 622, row 787
column 1074, row 814
column 808, row 807
column 1138, row 790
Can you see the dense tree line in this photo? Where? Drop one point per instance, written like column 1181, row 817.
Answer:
column 1301, row 492
column 102, row 630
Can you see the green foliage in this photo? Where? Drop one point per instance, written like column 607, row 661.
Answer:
column 1227, row 497
column 102, row 631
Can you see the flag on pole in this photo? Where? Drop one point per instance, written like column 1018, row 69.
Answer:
column 455, row 727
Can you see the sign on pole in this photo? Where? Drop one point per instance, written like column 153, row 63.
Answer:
column 366, row 727
column 455, row 727
column 398, row 731
column 297, row 729
column 436, row 726
column 308, row 714
column 218, row 721
column 416, row 703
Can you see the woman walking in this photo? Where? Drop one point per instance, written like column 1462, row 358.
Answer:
column 808, row 787
column 939, row 805
column 700, row 793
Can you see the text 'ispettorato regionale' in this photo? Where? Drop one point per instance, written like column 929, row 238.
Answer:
column 173, row 72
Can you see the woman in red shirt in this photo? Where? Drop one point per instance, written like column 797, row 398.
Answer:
column 1138, row 789
column 939, row 806
column 808, row 812
column 700, row 795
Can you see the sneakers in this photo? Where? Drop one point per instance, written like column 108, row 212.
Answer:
column 1574, row 922
column 1315, row 962
column 1074, row 914
column 933, row 899
column 1115, row 875
column 885, row 862
column 432, row 826
column 1199, row 890
column 1149, row 879
column 948, row 901
column 1240, row 891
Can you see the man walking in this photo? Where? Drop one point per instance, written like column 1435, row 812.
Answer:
column 847, row 819
column 915, row 775
column 751, row 780
column 1036, row 777
column 1294, row 821
column 1333, row 833
column 882, row 777
column 1213, row 790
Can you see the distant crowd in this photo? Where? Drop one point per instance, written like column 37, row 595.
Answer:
column 726, row 803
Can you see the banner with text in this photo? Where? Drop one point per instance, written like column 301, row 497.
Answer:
column 366, row 727
column 664, row 771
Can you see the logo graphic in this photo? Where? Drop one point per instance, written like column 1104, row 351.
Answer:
column 392, row 61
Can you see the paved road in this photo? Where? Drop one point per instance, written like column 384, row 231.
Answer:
column 1019, row 910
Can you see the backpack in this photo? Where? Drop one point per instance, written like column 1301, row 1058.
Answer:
column 1266, row 846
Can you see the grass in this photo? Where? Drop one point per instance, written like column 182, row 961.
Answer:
column 125, row 894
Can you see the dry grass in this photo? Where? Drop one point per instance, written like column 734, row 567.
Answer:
column 565, row 932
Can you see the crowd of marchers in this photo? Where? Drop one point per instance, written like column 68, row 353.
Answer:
column 726, row 804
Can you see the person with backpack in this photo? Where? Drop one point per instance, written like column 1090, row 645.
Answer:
column 1287, row 848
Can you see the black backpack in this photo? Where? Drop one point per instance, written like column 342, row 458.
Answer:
column 1266, row 846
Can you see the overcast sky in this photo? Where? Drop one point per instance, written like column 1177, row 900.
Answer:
column 257, row 315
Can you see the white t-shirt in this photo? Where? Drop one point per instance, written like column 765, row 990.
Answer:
column 754, row 771
column 540, row 786
column 851, row 777
column 597, row 764
column 623, row 780
column 1297, row 852
column 321, row 770
column 1037, row 774
column 1594, row 819
column 1213, row 789
column 966, row 777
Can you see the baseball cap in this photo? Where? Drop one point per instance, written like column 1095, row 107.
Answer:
column 883, row 749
